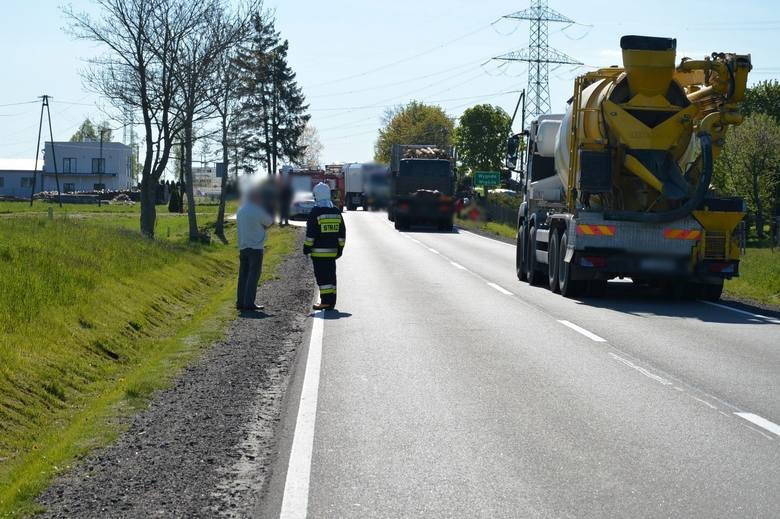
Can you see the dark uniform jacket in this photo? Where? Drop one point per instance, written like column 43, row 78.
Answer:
column 325, row 233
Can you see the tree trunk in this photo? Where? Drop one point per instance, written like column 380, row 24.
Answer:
column 219, row 229
column 148, row 207
column 191, row 216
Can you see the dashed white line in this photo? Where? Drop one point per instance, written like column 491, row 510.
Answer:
column 743, row 312
column 583, row 331
column 458, row 266
column 295, row 502
column 500, row 289
column 641, row 370
column 761, row 422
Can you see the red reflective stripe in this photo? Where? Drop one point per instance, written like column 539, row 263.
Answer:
column 682, row 234
column 596, row 230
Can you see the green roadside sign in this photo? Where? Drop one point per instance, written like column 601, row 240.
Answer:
column 487, row 179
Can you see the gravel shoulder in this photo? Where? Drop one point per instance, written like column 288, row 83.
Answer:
column 203, row 447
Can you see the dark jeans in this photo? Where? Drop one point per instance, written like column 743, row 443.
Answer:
column 249, row 270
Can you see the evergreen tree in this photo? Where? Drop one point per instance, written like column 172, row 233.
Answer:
column 273, row 112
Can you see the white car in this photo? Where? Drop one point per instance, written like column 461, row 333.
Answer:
column 302, row 204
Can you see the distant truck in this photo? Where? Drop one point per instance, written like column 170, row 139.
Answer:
column 422, row 183
column 376, row 187
column 367, row 186
column 334, row 177
column 355, row 181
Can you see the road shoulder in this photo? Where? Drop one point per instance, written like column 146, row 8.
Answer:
column 204, row 446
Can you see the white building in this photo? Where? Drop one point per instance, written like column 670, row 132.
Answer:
column 205, row 177
column 84, row 166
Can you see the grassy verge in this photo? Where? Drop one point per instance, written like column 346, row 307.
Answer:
column 759, row 278
column 93, row 319
column 498, row 229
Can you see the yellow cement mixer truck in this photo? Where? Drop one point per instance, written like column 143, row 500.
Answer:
column 619, row 185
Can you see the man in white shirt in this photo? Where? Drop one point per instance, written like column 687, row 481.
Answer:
column 252, row 221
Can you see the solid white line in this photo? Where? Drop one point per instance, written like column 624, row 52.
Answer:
column 761, row 422
column 434, row 251
column 296, row 488
column 458, row 266
column 583, row 331
column 500, row 289
column 743, row 312
column 643, row 371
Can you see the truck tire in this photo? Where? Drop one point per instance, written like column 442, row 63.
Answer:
column 567, row 286
column 552, row 262
column 531, row 271
column 520, row 254
column 400, row 225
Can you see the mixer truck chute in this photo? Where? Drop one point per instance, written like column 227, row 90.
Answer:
column 619, row 185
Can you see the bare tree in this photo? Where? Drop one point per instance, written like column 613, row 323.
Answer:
column 310, row 143
column 142, row 39
column 197, row 62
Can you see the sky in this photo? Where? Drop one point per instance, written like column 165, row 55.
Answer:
column 356, row 59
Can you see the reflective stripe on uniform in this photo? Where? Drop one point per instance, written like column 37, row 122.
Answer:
column 329, row 216
column 324, row 253
column 308, row 241
column 342, row 242
column 327, row 289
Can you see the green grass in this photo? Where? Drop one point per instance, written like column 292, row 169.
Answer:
column 498, row 229
column 759, row 278
column 93, row 319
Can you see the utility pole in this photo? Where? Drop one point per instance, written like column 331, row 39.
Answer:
column 539, row 55
column 45, row 106
column 100, row 167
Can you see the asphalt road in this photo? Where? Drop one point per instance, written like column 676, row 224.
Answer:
column 447, row 388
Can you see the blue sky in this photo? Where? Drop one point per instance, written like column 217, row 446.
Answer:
column 355, row 59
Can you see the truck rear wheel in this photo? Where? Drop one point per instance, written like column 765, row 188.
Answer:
column 552, row 262
column 531, row 270
column 567, row 286
column 520, row 254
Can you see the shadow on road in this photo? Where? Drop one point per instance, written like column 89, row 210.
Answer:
column 331, row 315
column 429, row 230
column 641, row 301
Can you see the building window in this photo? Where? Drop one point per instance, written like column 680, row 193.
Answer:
column 99, row 187
column 98, row 166
column 27, row 182
column 69, row 165
column 2, row 181
column 69, row 187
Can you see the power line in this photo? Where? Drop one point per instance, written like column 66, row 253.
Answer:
column 408, row 58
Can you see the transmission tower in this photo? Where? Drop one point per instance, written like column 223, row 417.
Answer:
column 539, row 55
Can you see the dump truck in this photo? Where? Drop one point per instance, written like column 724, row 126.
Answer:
column 422, row 183
column 619, row 185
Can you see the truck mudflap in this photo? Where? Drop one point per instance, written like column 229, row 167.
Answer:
column 424, row 208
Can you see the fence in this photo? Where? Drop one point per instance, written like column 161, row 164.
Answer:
column 499, row 213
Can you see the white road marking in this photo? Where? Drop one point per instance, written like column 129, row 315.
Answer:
column 761, row 422
column 743, row 312
column 704, row 402
column 415, row 241
column 295, row 502
column 458, row 266
column 583, row 331
column 500, row 289
column 641, row 370
column 494, row 240
column 434, row 251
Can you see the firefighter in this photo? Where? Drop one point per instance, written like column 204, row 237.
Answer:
column 325, row 239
